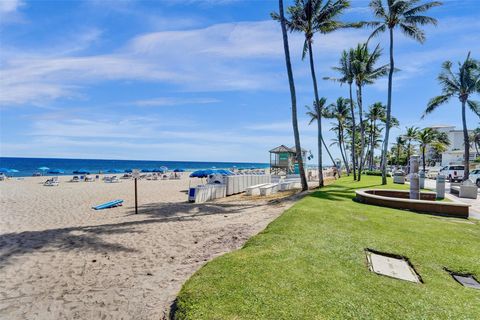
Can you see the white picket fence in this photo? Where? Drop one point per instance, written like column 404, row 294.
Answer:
column 240, row 183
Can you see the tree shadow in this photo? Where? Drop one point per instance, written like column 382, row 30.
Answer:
column 89, row 237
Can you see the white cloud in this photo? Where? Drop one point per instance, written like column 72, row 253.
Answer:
column 9, row 6
column 173, row 101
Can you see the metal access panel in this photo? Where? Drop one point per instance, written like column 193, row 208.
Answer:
column 391, row 266
column 467, row 281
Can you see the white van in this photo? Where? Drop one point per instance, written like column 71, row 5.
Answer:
column 453, row 173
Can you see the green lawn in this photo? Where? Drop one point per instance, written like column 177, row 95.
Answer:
column 310, row 264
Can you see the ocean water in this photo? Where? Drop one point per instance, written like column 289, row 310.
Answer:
column 28, row 166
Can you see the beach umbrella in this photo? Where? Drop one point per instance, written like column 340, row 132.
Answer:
column 12, row 171
column 4, row 170
column 178, row 170
column 114, row 171
column 43, row 168
column 146, row 170
column 81, row 171
column 57, row 171
column 128, row 170
column 200, row 174
column 164, row 168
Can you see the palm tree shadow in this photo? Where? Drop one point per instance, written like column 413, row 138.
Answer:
column 90, row 237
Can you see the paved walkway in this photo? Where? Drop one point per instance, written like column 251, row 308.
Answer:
column 474, row 203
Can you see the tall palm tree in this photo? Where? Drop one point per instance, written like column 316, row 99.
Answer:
column 475, row 139
column 365, row 72
column 340, row 112
column 407, row 16
column 296, row 134
column 409, row 136
column 462, row 84
column 310, row 17
column 399, row 145
column 315, row 113
column 345, row 69
column 429, row 137
column 376, row 113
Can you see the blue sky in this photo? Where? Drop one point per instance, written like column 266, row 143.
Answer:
column 192, row 80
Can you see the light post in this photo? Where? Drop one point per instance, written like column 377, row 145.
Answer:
column 135, row 175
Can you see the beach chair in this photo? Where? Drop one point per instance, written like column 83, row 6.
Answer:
column 89, row 179
column 51, row 182
column 75, row 179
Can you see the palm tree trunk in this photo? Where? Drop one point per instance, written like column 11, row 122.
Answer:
column 343, row 150
column 331, row 158
column 296, row 134
column 466, row 142
column 408, row 155
column 340, row 146
column 319, row 113
column 362, row 131
column 372, row 147
column 352, row 111
column 423, row 157
column 389, row 111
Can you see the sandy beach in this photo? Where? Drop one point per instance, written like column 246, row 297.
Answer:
column 59, row 259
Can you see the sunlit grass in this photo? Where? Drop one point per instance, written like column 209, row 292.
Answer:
column 310, row 264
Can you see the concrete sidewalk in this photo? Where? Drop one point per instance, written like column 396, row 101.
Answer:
column 474, row 203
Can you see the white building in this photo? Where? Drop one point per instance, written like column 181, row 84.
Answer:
column 454, row 153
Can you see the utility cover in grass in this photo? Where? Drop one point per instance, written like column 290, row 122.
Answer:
column 390, row 265
column 467, row 281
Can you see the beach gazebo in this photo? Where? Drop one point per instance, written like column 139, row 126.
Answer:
column 283, row 160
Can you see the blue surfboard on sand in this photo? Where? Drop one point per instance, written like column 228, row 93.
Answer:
column 111, row 204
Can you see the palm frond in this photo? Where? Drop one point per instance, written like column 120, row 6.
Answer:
column 413, row 32
column 422, row 8
column 474, row 106
column 435, row 102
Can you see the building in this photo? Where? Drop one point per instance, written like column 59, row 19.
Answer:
column 454, row 152
column 283, row 160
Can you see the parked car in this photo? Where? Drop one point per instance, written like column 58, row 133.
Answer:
column 433, row 172
column 453, row 173
column 475, row 177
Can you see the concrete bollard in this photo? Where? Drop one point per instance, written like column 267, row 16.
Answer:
column 421, row 177
column 414, row 178
column 440, row 186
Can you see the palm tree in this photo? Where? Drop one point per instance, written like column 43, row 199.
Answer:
column 429, row 137
column 409, row 136
column 309, row 17
column 402, row 14
column 346, row 76
column 376, row 112
column 365, row 72
column 462, row 84
column 315, row 113
column 296, row 134
column 398, row 146
column 475, row 139
column 340, row 112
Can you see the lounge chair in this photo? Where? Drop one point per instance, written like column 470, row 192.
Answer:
column 75, row 179
column 51, row 182
column 89, row 179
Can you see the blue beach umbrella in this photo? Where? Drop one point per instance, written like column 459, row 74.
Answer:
column 200, row 174
column 146, row 170
column 160, row 170
column 4, row 170
column 81, row 171
column 114, row 171
column 43, row 168
column 164, row 168
column 128, row 170
column 178, row 170
column 57, row 171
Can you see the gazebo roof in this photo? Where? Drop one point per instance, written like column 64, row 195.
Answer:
column 283, row 148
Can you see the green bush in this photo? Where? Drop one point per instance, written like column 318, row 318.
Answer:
column 372, row 172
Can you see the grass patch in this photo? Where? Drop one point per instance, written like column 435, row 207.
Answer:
column 310, row 264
